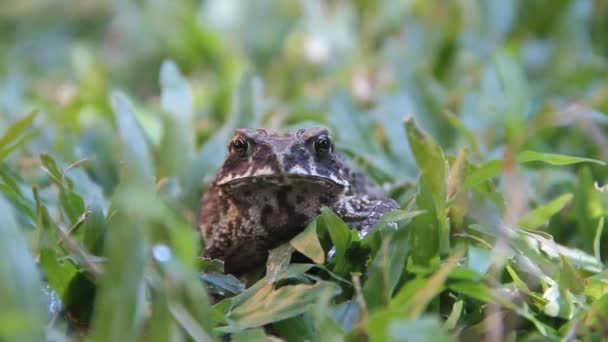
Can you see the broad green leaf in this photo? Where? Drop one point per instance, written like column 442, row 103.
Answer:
column 278, row 261
column 307, row 243
column 21, row 317
column 222, row 283
column 554, row 159
column 539, row 216
column 270, row 305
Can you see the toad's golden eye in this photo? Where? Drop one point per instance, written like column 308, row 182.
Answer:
column 323, row 144
column 239, row 145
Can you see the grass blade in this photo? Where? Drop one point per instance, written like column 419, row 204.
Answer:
column 554, row 159
column 21, row 316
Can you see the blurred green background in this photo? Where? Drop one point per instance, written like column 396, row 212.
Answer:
column 131, row 97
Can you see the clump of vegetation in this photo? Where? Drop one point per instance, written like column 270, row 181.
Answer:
column 487, row 125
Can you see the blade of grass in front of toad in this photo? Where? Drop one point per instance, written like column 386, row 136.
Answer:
column 136, row 154
column 21, row 317
column 177, row 144
column 119, row 309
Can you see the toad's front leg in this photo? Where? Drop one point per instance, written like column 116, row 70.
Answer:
column 361, row 212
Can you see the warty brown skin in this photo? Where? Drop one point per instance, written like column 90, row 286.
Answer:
column 271, row 186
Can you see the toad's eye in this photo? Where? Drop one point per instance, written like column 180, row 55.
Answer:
column 323, row 144
column 239, row 145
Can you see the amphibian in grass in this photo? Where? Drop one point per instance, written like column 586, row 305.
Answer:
column 272, row 185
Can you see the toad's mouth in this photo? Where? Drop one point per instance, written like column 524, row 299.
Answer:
column 272, row 181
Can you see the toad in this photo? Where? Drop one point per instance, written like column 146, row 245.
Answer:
column 272, row 185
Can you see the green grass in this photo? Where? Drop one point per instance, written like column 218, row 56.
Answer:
column 484, row 119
